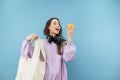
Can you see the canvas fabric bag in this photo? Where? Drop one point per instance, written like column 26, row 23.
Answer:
column 32, row 68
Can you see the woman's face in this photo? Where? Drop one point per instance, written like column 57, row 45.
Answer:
column 54, row 27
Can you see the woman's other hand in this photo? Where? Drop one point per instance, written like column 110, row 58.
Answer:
column 31, row 37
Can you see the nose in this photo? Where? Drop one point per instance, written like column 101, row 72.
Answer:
column 58, row 26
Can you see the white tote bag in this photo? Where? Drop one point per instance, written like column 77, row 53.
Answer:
column 32, row 68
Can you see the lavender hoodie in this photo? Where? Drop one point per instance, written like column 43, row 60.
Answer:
column 55, row 63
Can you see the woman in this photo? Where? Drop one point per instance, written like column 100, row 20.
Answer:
column 58, row 50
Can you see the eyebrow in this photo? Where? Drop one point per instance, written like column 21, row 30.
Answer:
column 55, row 22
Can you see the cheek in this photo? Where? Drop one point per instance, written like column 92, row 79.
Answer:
column 51, row 28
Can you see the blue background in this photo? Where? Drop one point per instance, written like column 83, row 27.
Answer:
column 97, row 34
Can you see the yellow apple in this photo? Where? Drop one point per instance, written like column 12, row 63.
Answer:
column 70, row 26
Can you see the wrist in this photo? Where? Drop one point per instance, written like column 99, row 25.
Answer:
column 28, row 38
column 70, row 39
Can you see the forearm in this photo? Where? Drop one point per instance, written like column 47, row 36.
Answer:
column 70, row 39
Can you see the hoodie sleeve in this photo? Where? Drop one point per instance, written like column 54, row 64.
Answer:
column 69, row 51
column 27, row 49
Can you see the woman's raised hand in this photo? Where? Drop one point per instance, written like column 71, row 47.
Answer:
column 70, row 31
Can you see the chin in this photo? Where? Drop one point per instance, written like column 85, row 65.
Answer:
column 57, row 33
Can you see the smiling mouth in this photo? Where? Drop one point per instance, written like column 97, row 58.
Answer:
column 57, row 29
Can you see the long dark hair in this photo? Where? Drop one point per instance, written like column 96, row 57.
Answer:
column 58, row 39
